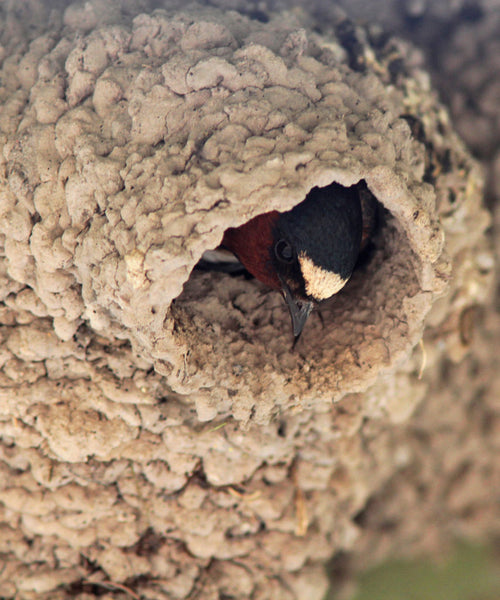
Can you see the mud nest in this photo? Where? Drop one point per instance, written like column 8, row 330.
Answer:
column 158, row 431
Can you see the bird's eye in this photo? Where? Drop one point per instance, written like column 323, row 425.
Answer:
column 283, row 251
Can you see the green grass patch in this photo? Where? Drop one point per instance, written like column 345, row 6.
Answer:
column 469, row 573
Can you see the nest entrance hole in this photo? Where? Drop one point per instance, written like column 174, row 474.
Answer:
column 224, row 309
column 239, row 338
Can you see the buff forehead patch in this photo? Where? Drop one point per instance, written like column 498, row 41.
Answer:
column 320, row 283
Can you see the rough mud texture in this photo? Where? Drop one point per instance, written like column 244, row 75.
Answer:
column 157, row 430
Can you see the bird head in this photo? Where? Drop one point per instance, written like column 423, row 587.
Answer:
column 308, row 252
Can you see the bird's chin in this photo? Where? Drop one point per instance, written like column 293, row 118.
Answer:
column 299, row 308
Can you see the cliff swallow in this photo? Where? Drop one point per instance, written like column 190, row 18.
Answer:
column 310, row 251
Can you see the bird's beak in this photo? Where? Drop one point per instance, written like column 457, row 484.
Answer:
column 299, row 310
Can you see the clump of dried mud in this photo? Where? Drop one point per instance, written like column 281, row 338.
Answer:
column 157, row 429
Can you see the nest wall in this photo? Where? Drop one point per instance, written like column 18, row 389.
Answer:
column 157, row 429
